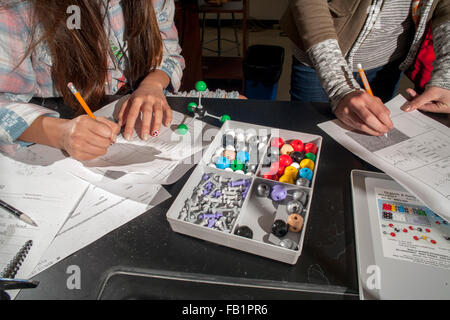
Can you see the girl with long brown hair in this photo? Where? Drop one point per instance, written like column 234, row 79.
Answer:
column 104, row 47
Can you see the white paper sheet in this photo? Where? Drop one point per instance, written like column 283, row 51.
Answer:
column 416, row 153
column 99, row 213
column 408, row 229
column 160, row 160
column 48, row 202
column 159, row 155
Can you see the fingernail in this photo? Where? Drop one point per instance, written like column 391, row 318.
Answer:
column 146, row 137
column 155, row 133
column 127, row 136
column 406, row 108
column 114, row 138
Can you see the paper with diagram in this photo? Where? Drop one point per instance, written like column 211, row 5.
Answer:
column 98, row 213
column 160, row 160
column 409, row 230
column 416, row 153
column 49, row 204
column 159, row 154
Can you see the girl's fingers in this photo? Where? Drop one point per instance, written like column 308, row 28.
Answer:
column 354, row 121
column 122, row 113
column 412, row 93
column 157, row 120
column 154, row 115
column 370, row 121
column 115, row 128
column 167, row 115
column 95, row 150
column 418, row 101
column 147, row 116
column 382, row 113
column 133, row 113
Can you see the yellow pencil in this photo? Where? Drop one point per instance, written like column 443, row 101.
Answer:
column 364, row 79
column 81, row 100
column 366, row 83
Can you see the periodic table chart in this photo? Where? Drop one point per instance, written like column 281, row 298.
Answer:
column 411, row 231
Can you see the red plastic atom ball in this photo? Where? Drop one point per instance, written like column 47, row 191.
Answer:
column 285, row 160
column 270, row 176
column 297, row 145
column 277, row 143
column 311, row 148
column 281, row 170
column 274, row 167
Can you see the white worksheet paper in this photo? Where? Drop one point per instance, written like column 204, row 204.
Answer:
column 160, row 160
column 158, row 156
column 408, row 236
column 98, row 213
column 48, row 202
column 416, row 153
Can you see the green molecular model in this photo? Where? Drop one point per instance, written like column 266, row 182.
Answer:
column 225, row 118
column 191, row 107
column 198, row 110
column 183, row 129
column 200, row 86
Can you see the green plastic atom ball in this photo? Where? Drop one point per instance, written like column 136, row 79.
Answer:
column 200, row 86
column 183, row 129
column 191, row 106
column 225, row 118
column 311, row 156
column 237, row 165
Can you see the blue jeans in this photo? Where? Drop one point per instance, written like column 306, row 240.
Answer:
column 305, row 84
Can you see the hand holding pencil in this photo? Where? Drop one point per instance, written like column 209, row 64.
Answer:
column 364, row 111
column 87, row 137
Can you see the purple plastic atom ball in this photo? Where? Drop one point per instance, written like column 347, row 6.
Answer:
column 278, row 193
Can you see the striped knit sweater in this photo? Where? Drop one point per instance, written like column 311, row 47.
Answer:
column 335, row 70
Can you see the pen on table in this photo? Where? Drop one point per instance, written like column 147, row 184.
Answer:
column 365, row 82
column 19, row 214
column 81, row 100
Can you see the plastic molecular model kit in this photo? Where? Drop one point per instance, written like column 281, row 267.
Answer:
column 251, row 191
column 199, row 110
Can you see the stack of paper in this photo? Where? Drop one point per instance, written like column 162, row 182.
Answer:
column 75, row 203
column 416, row 153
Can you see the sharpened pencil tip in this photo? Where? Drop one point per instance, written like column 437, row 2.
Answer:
column 28, row 220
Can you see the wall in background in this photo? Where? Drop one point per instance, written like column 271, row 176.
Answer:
column 261, row 10
column 267, row 9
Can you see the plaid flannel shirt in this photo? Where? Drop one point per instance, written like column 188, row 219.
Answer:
column 32, row 78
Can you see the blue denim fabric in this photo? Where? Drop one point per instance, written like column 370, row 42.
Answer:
column 305, row 84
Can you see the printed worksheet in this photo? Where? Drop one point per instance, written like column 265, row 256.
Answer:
column 98, row 213
column 411, row 231
column 159, row 154
column 160, row 160
column 416, row 153
column 47, row 203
